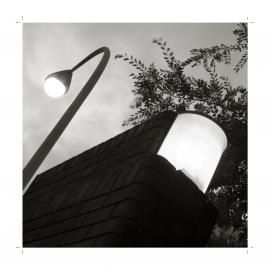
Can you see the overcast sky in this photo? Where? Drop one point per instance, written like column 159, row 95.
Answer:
column 52, row 47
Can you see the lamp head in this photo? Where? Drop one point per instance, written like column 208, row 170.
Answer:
column 194, row 145
column 57, row 84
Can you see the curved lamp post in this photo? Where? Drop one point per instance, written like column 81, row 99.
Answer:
column 57, row 84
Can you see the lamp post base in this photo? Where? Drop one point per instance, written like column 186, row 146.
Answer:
column 150, row 205
column 118, row 194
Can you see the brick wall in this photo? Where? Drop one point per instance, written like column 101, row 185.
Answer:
column 117, row 194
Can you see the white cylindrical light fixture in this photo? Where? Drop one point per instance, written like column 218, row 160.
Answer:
column 194, row 145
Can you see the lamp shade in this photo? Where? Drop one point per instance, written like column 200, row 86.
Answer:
column 194, row 145
column 57, row 84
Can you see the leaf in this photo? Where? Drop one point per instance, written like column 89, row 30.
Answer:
column 118, row 56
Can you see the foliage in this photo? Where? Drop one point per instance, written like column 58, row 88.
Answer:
column 222, row 53
column 158, row 90
column 228, row 236
column 232, row 208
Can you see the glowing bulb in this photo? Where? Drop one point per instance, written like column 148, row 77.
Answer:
column 54, row 88
column 194, row 145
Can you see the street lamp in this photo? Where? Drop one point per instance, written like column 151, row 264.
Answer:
column 57, row 84
column 194, row 145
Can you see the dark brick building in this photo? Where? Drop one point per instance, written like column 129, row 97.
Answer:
column 118, row 194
